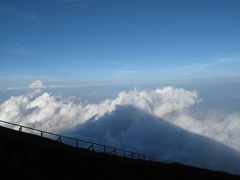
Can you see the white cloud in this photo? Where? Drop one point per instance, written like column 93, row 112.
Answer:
column 168, row 104
column 171, row 104
column 37, row 84
column 48, row 112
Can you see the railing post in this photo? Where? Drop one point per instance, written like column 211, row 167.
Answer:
column 59, row 139
column 104, row 149
column 91, row 147
column 77, row 143
column 114, row 151
column 20, row 129
column 41, row 134
column 138, row 156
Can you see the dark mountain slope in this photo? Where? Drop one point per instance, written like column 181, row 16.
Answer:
column 32, row 157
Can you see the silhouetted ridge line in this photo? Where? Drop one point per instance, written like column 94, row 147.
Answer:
column 78, row 143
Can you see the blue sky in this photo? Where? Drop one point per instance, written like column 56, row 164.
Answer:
column 64, row 62
column 128, row 41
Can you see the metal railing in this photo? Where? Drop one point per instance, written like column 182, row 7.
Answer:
column 78, row 143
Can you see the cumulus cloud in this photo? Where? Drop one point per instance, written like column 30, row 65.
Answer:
column 156, row 121
column 52, row 113
column 36, row 84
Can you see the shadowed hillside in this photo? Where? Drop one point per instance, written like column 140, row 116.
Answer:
column 33, row 157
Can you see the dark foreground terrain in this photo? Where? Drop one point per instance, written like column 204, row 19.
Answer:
column 26, row 156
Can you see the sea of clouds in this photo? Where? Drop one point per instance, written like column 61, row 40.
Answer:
column 158, row 122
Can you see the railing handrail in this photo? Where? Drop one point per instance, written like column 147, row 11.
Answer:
column 114, row 149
